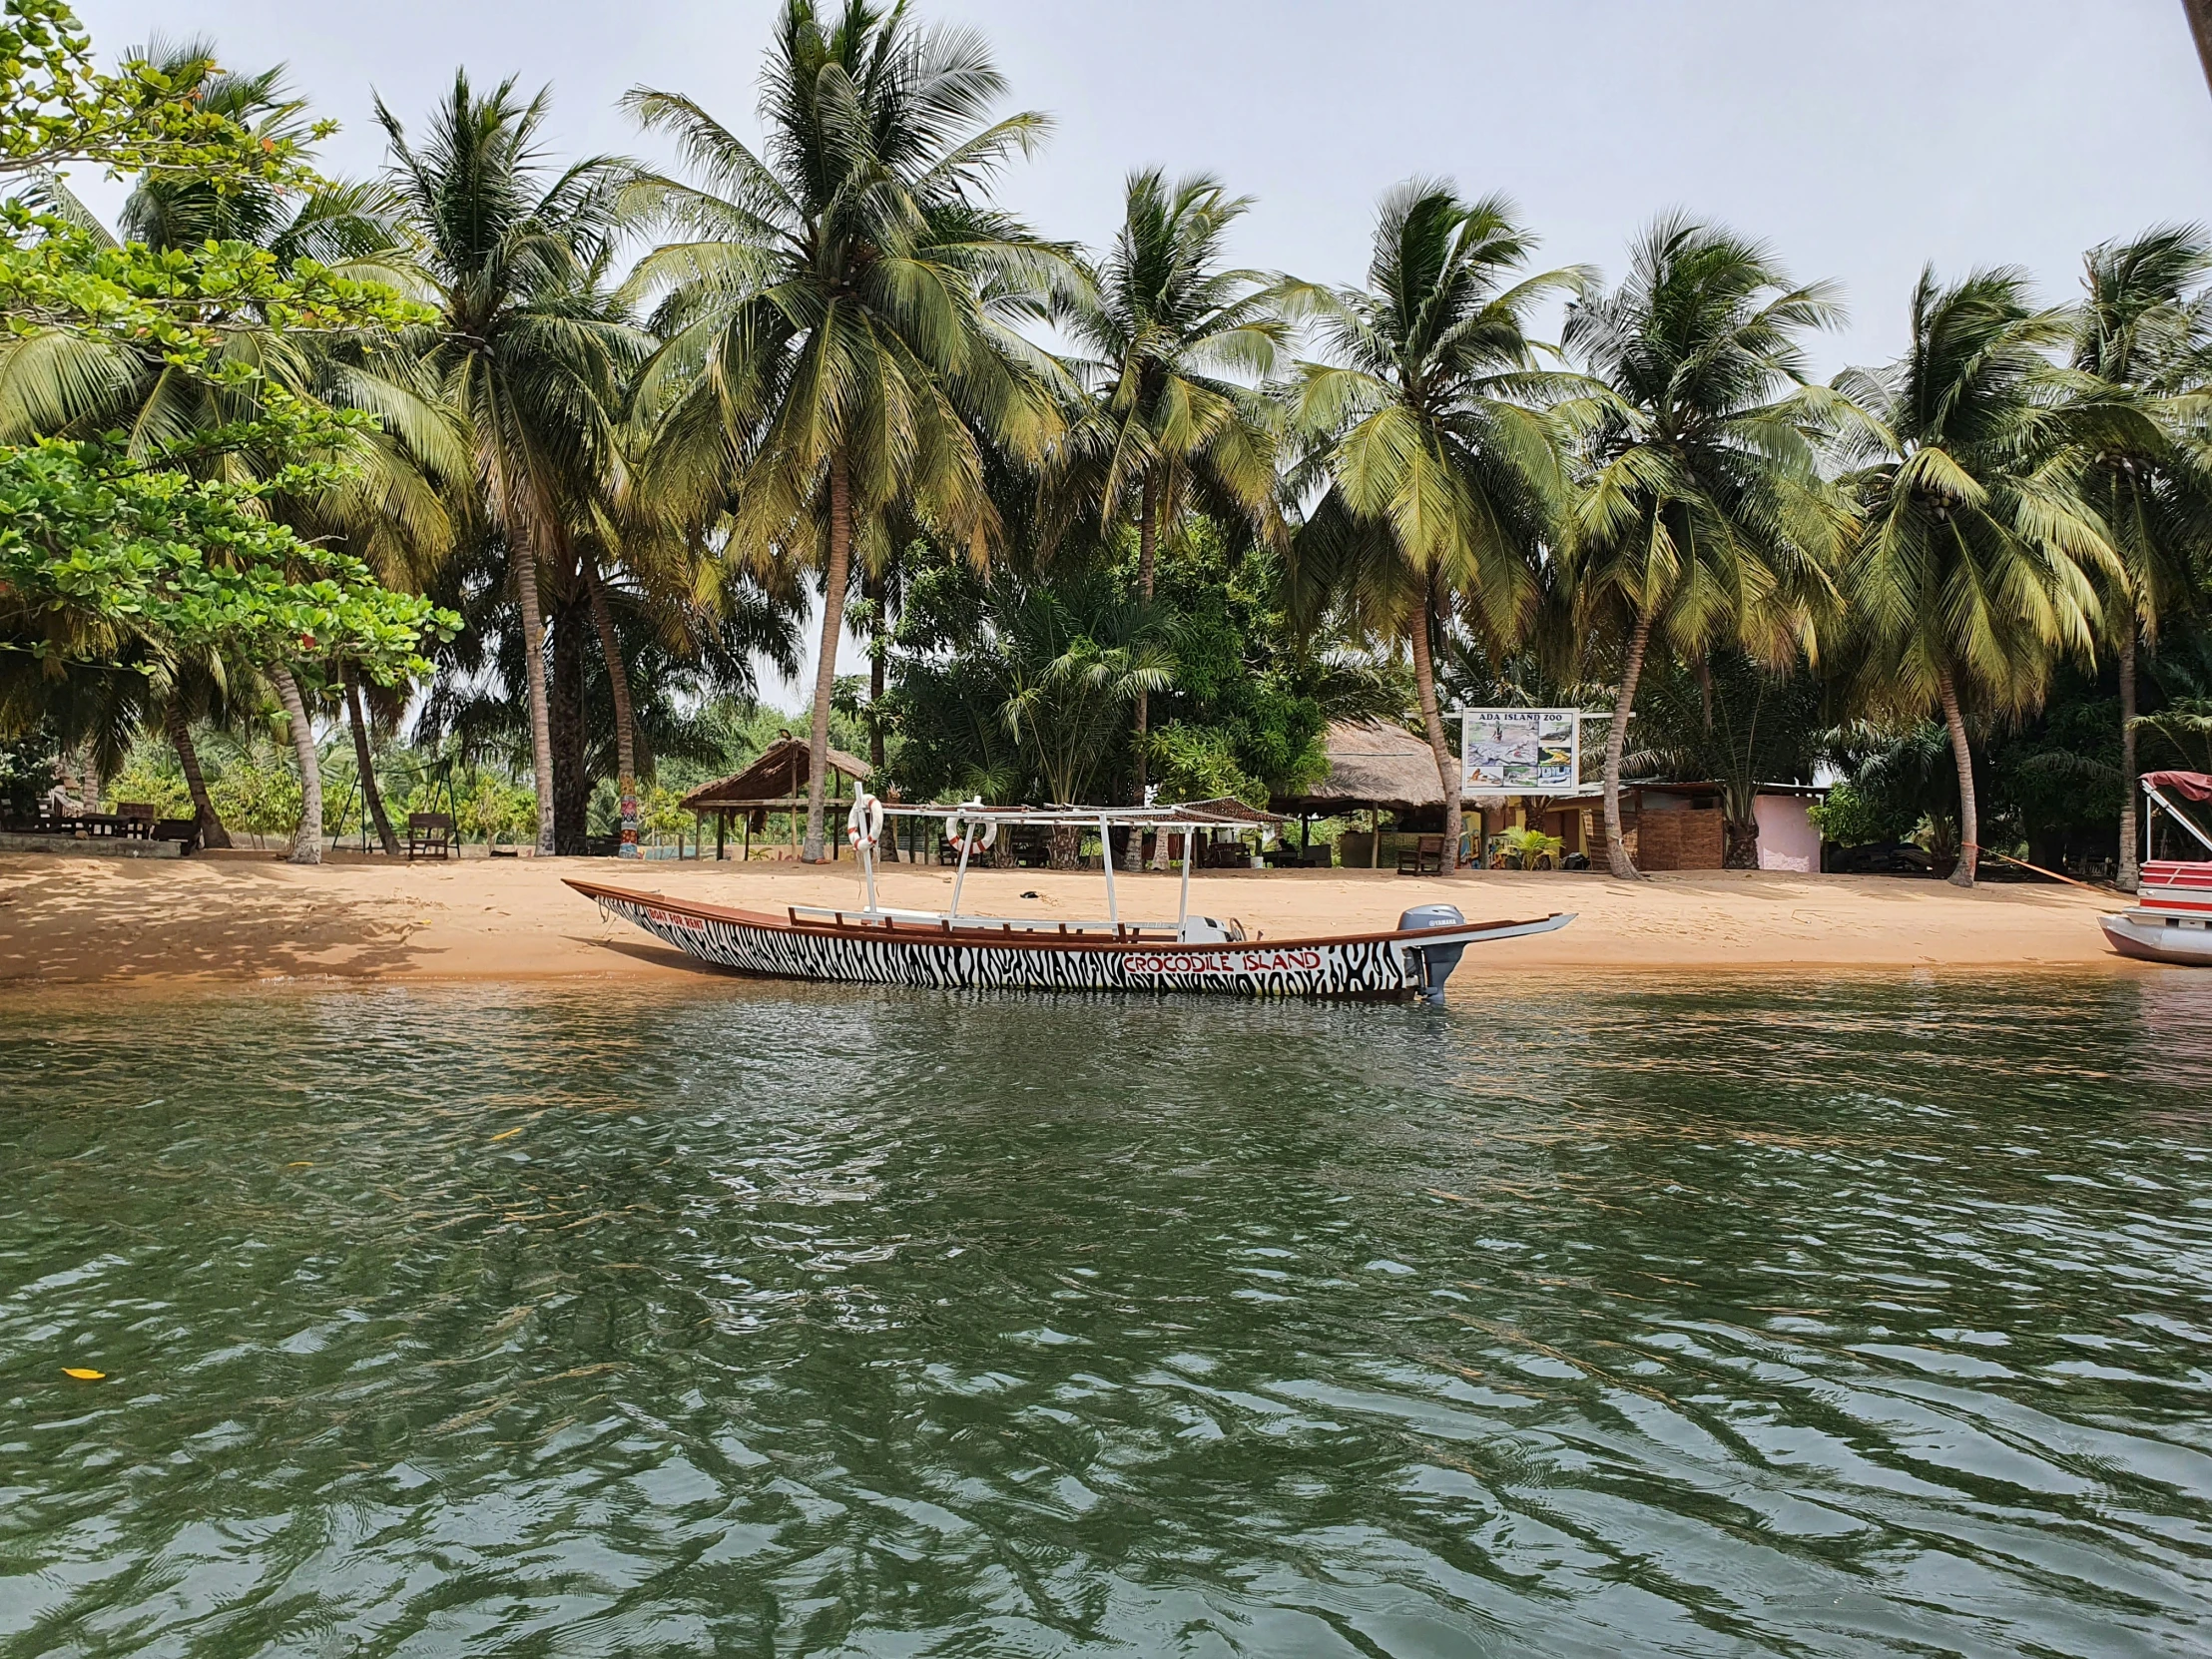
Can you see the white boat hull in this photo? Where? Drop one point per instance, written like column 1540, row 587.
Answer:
column 2157, row 936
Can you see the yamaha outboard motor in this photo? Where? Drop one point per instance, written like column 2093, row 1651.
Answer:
column 1435, row 962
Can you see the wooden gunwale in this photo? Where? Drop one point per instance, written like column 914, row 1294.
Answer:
column 992, row 938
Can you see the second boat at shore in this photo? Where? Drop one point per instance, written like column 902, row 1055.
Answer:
column 2172, row 918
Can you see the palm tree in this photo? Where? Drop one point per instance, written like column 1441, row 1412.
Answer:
column 1014, row 689
column 386, row 507
column 2141, row 332
column 525, row 352
column 838, row 314
column 1168, row 345
column 1075, row 658
column 1444, row 472
column 1703, row 515
column 1975, row 561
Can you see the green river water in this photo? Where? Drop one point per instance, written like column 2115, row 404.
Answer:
column 1618, row 1318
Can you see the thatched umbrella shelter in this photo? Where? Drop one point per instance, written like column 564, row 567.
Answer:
column 777, row 782
column 1372, row 767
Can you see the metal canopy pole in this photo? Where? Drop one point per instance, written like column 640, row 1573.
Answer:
column 2179, row 817
column 1183, row 917
column 1106, row 858
column 959, row 876
column 866, row 850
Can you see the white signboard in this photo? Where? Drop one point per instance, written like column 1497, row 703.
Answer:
column 1520, row 751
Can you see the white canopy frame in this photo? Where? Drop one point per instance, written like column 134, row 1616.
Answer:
column 2158, row 802
column 963, row 819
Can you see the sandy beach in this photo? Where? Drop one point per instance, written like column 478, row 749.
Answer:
column 247, row 918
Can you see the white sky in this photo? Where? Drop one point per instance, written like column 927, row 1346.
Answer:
column 1861, row 139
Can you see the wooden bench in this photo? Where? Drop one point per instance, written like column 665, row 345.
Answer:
column 137, row 819
column 429, row 836
column 1424, row 857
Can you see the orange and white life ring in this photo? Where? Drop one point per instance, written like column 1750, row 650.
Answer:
column 975, row 838
column 864, row 825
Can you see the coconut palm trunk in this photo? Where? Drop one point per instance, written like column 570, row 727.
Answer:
column 212, row 832
column 565, row 721
column 371, row 794
column 626, row 727
column 2131, row 872
column 1432, row 721
column 832, row 630
column 533, row 673
column 2200, row 30
column 873, row 590
column 1616, row 741
column 306, row 845
column 1148, row 555
column 88, row 779
column 1970, row 821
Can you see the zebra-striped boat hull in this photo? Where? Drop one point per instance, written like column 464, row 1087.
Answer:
column 1363, row 967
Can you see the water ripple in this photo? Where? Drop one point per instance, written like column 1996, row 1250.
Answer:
column 1851, row 1317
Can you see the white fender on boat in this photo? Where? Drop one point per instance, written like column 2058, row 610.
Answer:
column 864, row 825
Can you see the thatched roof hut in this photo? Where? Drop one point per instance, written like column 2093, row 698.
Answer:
column 1370, row 766
column 777, row 782
column 778, row 778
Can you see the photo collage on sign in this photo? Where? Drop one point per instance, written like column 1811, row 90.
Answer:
column 1520, row 751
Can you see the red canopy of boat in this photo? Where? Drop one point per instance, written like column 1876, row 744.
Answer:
column 2190, row 786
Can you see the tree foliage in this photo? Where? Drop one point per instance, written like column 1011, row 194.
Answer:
column 101, row 541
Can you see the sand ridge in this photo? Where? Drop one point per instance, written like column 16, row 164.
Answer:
column 78, row 920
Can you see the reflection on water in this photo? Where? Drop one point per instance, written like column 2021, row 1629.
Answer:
column 1716, row 1319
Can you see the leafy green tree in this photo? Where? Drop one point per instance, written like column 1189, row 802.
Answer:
column 1246, row 714
column 378, row 498
column 1019, row 688
column 682, row 653
column 1898, row 782
column 1442, row 470
column 1977, row 560
column 162, row 543
column 839, row 311
column 1076, row 658
column 61, row 109
column 2143, row 333
column 1169, row 346
column 946, row 687
column 1703, row 515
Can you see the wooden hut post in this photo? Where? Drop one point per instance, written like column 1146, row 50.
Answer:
column 722, row 832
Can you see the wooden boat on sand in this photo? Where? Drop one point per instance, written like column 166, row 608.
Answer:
column 2172, row 918
column 874, row 945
